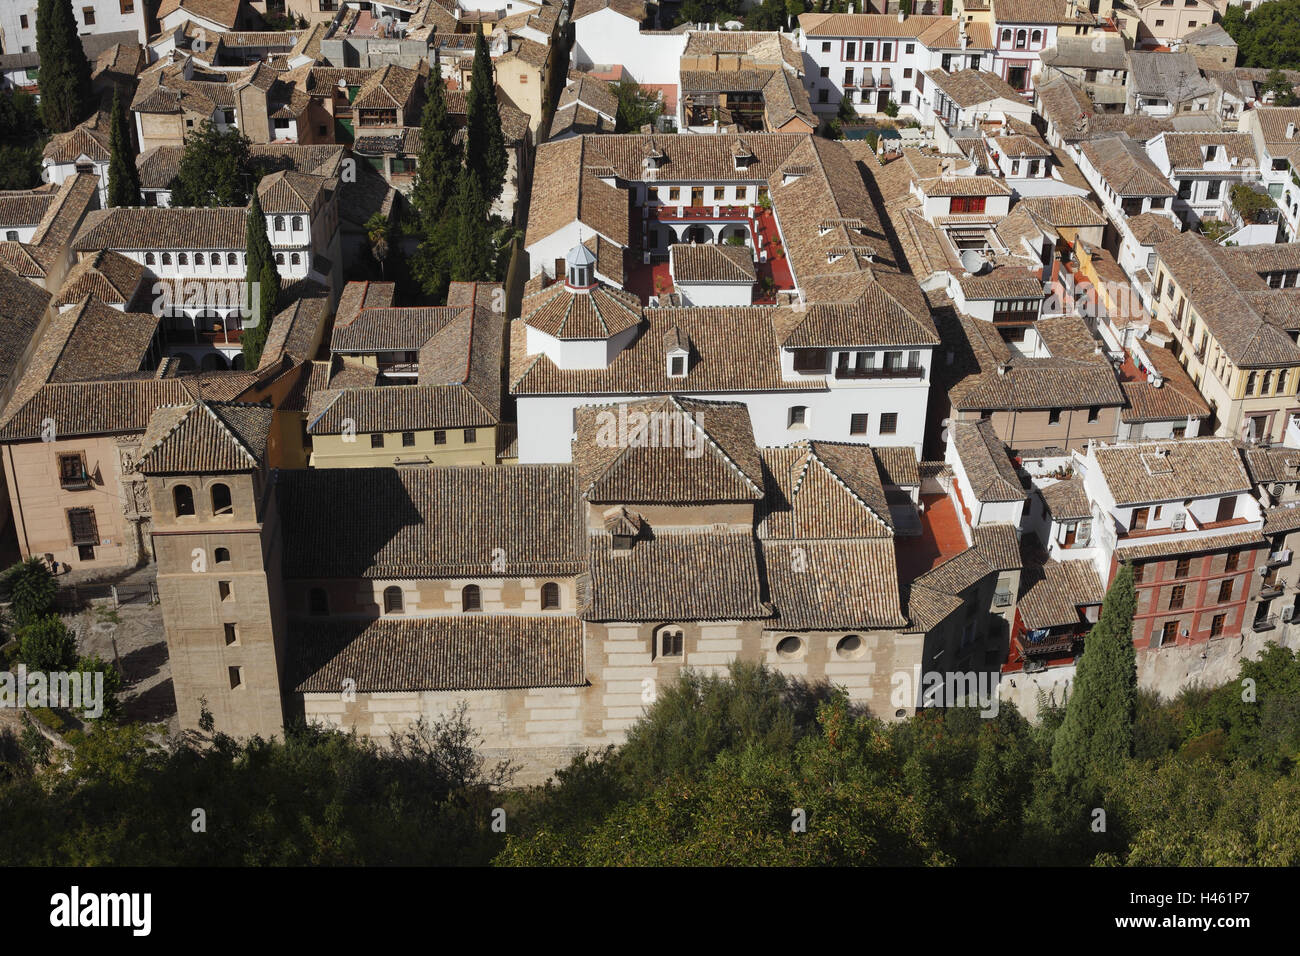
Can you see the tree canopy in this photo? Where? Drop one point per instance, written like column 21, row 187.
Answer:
column 66, row 97
column 263, row 283
column 1269, row 36
column 123, row 176
column 485, row 144
column 215, row 169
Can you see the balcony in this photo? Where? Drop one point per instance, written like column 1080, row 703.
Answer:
column 1279, row 558
column 1266, row 623
column 1271, row 589
column 696, row 212
column 907, row 371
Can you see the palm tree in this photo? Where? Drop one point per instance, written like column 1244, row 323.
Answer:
column 377, row 233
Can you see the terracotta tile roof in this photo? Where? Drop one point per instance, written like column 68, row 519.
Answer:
column 224, row 12
column 1197, row 545
column 898, row 466
column 108, row 276
column 448, row 653
column 937, row 593
column 296, row 330
column 1214, row 285
column 393, row 408
column 1126, row 167
column 289, row 191
column 206, row 437
column 1151, row 227
column 986, row 462
column 23, row 207
column 1065, row 105
column 1052, row 594
column 442, row 522
column 1141, row 472
column 92, row 408
column 1058, row 12
column 969, row 88
column 1185, row 149
column 696, row 452
column 1281, row 519
column 700, row 576
column 824, row 491
column 22, row 306
column 149, row 227
column 732, row 349
column 965, row 186
column 1175, row 399
column 1068, row 211
column 1275, row 463
column 389, row 87
column 711, row 263
column 843, row 585
column 632, row 9
column 558, row 169
column 1066, row 500
column 986, row 376
column 999, row 544
column 1003, row 282
column 565, row 314
column 89, row 138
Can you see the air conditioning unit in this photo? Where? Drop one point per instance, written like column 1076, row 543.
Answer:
column 1286, row 613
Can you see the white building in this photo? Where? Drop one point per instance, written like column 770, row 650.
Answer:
column 18, row 21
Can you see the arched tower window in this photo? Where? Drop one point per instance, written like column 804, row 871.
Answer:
column 393, row 600
column 183, row 501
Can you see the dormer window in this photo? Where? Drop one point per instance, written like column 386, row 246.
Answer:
column 677, row 366
column 677, row 352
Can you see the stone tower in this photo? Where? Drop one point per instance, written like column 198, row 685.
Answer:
column 218, row 562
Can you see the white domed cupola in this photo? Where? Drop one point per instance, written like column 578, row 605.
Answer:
column 580, row 269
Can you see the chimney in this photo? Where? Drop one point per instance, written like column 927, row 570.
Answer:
column 1002, row 367
column 1290, row 130
column 900, row 14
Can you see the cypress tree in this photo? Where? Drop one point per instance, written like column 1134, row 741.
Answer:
column 471, row 251
column 263, row 283
column 123, row 177
column 440, row 159
column 65, row 71
column 485, row 144
column 1097, row 733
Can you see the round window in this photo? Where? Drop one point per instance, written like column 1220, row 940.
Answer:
column 789, row 648
column 850, row 646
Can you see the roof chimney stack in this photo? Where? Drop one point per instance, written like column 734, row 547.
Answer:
column 1290, row 130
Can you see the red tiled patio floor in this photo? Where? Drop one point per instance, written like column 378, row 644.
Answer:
column 941, row 537
column 641, row 280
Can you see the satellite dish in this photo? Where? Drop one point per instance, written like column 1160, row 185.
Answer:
column 973, row 262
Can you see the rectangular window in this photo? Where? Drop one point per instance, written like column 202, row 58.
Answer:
column 1054, row 417
column 1230, row 562
column 126, row 6
column 674, row 193
column 850, row 50
column 742, row 193
column 1138, row 571
column 72, row 471
column 224, row 591
column 798, row 415
column 22, row 21
column 1225, row 592
column 1183, row 567
column 889, row 423
column 1094, row 413
column 1169, row 633
column 826, row 46
column 966, row 205
column 232, row 635
column 1216, row 624
column 88, row 16
column 408, row 439
column 858, row 423
column 236, row 677
column 471, row 436
column 82, row 526
column 886, row 51
column 440, row 437
column 377, row 440
column 1140, row 516
column 1176, row 596
column 1227, row 508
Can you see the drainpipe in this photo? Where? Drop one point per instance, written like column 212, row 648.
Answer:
column 18, row 498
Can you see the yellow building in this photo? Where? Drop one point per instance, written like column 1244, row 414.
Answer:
column 1234, row 330
column 409, row 386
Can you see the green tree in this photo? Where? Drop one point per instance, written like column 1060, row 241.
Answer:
column 1283, row 90
column 22, row 134
column 65, row 71
column 123, row 176
column 440, row 159
column 112, row 701
column 215, row 169
column 378, row 238
column 31, row 589
column 263, row 283
column 1097, row 733
column 1269, row 37
column 45, row 644
column 470, row 252
column 485, row 143
column 636, row 108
